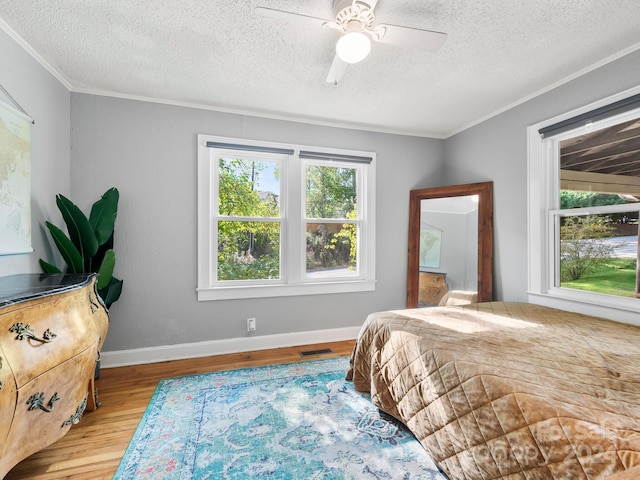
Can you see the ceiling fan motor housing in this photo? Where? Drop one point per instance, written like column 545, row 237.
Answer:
column 349, row 10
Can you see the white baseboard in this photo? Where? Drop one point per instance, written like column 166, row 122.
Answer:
column 120, row 358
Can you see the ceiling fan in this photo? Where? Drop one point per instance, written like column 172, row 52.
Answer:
column 355, row 20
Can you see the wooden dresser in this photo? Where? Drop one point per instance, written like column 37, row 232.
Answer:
column 431, row 288
column 51, row 330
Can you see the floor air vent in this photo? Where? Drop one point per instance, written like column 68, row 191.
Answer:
column 311, row 353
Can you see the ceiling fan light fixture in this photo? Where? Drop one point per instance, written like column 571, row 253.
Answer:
column 353, row 47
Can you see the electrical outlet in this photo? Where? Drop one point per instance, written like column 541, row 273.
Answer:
column 251, row 324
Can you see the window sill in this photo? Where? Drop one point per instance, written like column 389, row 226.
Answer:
column 264, row 291
column 619, row 309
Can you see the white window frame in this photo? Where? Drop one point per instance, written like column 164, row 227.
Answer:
column 293, row 279
column 543, row 211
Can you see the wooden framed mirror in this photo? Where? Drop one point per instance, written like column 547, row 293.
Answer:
column 445, row 225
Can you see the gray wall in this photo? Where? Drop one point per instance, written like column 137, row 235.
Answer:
column 46, row 100
column 497, row 150
column 148, row 151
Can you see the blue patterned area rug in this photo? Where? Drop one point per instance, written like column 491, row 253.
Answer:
column 296, row 421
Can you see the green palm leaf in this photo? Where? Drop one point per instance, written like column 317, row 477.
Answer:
column 103, row 215
column 49, row 268
column 111, row 292
column 105, row 272
column 80, row 231
column 67, row 249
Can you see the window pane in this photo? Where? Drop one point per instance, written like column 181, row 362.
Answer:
column 330, row 192
column 248, row 250
column 601, row 167
column 331, row 250
column 249, row 188
column 598, row 253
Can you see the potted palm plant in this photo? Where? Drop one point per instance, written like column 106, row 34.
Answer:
column 88, row 248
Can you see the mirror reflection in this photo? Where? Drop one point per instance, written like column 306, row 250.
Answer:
column 448, row 258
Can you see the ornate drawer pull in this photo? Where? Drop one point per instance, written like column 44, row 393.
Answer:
column 37, row 401
column 25, row 331
column 75, row 418
column 93, row 303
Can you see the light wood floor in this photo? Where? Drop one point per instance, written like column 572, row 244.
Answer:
column 92, row 449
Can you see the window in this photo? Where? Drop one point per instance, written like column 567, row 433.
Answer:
column 584, row 201
column 278, row 220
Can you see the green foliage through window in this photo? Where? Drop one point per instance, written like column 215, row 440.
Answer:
column 331, row 193
column 582, row 247
column 248, row 249
column 573, row 199
column 598, row 252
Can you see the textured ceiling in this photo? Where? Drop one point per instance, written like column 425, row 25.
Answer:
column 219, row 54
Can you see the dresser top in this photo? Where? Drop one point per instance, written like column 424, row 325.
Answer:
column 27, row 286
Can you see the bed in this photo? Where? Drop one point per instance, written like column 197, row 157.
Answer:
column 505, row 390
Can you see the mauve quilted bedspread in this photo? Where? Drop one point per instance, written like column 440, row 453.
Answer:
column 508, row 390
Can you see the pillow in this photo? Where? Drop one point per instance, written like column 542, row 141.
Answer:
column 458, row 297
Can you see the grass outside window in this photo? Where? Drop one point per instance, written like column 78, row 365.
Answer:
column 613, row 276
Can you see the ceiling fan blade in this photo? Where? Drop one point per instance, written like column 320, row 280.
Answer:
column 412, row 37
column 337, row 70
column 290, row 16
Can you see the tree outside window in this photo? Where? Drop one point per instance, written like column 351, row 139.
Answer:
column 248, row 239
column 332, row 221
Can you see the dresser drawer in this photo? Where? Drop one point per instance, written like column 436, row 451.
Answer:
column 32, row 426
column 36, row 336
